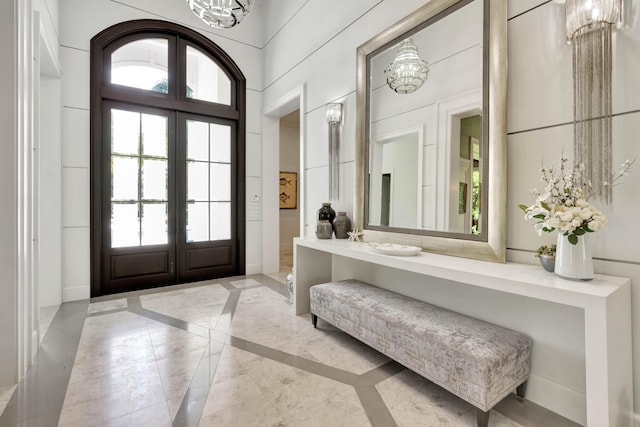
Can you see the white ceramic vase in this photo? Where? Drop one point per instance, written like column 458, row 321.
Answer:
column 573, row 261
column 290, row 282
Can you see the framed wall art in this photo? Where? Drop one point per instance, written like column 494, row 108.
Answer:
column 288, row 190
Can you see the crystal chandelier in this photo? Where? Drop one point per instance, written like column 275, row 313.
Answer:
column 407, row 73
column 221, row 13
column 589, row 25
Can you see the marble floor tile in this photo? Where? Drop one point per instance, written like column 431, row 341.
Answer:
column 253, row 412
column 225, row 394
column 228, row 366
column 157, row 416
column 95, row 401
column 270, row 375
column 5, row 395
column 46, row 317
column 244, row 283
column 177, row 371
column 233, row 353
column 200, row 306
column 98, row 307
column 303, row 393
column 341, row 410
column 170, row 342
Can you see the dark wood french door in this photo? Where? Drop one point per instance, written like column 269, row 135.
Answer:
column 167, row 158
column 169, row 203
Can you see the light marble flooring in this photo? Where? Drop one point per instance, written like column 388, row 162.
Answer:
column 231, row 352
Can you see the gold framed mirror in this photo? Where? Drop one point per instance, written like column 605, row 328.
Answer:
column 431, row 164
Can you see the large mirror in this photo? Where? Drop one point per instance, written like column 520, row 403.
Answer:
column 431, row 156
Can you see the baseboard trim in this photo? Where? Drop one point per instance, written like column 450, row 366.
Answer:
column 563, row 400
column 77, row 293
column 253, row 269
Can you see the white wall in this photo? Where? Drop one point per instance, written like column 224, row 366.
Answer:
column 79, row 23
column 539, row 125
column 50, row 153
column 50, row 192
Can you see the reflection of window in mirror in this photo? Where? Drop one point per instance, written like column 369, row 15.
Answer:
column 471, row 158
column 386, row 199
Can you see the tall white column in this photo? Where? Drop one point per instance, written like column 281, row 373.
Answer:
column 18, row 167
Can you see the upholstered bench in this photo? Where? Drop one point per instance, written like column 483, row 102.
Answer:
column 475, row 360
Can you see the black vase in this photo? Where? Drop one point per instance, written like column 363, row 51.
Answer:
column 326, row 212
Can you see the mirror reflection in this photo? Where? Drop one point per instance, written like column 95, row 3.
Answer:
column 426, row 148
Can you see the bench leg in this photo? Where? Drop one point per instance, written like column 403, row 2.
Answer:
column 314, row 320
column 483, row 418
column 521, row 391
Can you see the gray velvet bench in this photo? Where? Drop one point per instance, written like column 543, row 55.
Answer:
column 477, row 361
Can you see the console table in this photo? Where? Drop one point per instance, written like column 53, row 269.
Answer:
column 605, row 301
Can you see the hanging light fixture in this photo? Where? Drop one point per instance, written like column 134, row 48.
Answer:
column 221, row 13
column 589, row 26
column 407, row 73
column 334, row 119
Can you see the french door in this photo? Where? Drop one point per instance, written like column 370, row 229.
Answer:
column 169, row 203
column 167, row 158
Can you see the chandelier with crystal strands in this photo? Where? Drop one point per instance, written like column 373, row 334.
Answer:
column 589, row 27
column 221, row 13
column 407, row 73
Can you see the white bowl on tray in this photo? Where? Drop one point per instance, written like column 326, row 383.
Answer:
column 395, row 249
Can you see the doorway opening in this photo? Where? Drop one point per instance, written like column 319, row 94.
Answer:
column 280, row 129
column 289, row 214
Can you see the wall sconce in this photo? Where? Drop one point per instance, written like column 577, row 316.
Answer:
column 334, row 118
column 407, row 73
column 221, row 13
column 589, row 26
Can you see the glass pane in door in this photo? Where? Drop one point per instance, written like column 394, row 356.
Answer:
column 220, row 220
column 125, row 225
column 198, row 222
column 154, row 223
column 139, row 179
column 220, row 182
column 124, row 178
column 208, row 181
column 125, row 132
column 220, row 143
column 197, row 181
column 154, row 179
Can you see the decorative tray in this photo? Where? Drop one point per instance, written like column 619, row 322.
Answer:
column 395, row 249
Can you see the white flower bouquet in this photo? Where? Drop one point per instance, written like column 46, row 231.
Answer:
column 564, row 206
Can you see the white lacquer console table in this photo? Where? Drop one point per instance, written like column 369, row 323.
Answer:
column 606, row 302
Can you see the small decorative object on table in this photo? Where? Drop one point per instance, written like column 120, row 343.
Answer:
column 289, row 282
column 547, row 255
column 355, row 234
column 324, row 230
column 394, row 249
column 326, row 212
column 564, row 206
column 342, row 225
